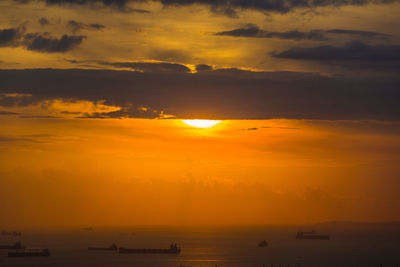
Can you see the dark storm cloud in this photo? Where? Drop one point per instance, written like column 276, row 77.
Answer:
column 352, row 52
column 227, row 7
column 255, row 32
column 76, row 26
column 10, row 37
column 226, row 94
column 40, row 43
column 149, row 66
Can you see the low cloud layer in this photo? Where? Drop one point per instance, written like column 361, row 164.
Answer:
column 217, row 94
column 354, row 51
column 254, row 31
column 149, row 66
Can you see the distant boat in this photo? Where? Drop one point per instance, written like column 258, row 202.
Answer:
column 17, row 245
column 173, row 249
column 311, row 235
column 30, row 253
column 113, row 247
column 88, row 229
column 263, row 243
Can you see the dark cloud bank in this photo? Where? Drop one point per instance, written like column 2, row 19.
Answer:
column 354, row 51
column 253, row 31
column 214, row 94
column 227, row 7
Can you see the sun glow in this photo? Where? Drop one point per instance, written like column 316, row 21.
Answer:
column 201, row 123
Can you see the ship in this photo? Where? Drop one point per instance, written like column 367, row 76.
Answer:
column 311, row 235
column 263, row 243
column 113, row 247
column 173, row 249
column 30, row 253
column 17, row 245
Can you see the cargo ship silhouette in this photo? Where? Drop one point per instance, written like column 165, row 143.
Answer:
column 113, row 247
column 311, row 235
column 173, row 249
column 17, row 245
column 30, row 253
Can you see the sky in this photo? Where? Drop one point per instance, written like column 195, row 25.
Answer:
column 94, row 96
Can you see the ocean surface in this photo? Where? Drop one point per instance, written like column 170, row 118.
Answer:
column 211, row 246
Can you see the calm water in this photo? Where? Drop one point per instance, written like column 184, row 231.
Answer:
column 211, row 247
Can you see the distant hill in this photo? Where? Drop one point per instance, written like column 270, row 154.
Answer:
column 359, row 225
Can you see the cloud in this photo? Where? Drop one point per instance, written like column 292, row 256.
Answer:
column 227, row 94
column 353, row 52
column 10, row 36
column 15, row 99
column 118, row 5
column 17, row 139
column 96, row 26
column 149, row 66
column 229, row 7
column 76, row 26
column 367, row 34
column 126, row 112
column 254, row 32
column 224, row 7
column 40, row 43
column 43, row 21
column 3, row 112
column 203, row 67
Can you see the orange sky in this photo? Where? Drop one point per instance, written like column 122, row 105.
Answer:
column 134, row 171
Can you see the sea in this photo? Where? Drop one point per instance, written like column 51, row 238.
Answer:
column 216, row 246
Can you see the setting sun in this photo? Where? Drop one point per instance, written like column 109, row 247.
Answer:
column 201, row 123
